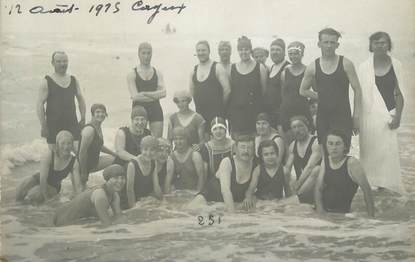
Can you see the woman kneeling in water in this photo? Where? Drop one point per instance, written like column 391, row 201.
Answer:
column 55, row 166
column 95, row 202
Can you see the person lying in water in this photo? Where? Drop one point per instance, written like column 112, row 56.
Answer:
column 95, row 202
column 339, row 176
column 268, row 179
column 56, row 164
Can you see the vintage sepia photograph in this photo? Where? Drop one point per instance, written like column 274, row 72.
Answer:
column 207, row 130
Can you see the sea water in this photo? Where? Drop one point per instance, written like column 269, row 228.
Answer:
column 167, row 230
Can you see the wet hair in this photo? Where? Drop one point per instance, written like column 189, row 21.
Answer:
column 204, row 42
column 340, row 133
column 329, row 31
column 144, row 45
column 56, row 53
column 279, row 42
column 302, row 119
column 61, row 135
column 244, row 42
column 378, row 35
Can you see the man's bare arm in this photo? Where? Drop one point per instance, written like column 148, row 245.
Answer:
column 81, row 103
column 307, row 83
column 357, row 90
column 42, row 97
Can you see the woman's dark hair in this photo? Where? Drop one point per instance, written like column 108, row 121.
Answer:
column 378, row 35
column 343, row 136
column 267, row 143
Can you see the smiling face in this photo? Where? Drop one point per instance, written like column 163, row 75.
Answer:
column 277, row 54
column 180, row 142
column 202, row 52
column 117, row 183
column 218, row 133
column 65, row 146
column 328, row 44
column 138, row 123
column 148, row 153
column 145, row 54
column 224, row 52
column 269, row 156
column 295, row 56
column 60, row 62
column 244, row 53
column 163, row 153
column 299, row 129
column 335, row 146
column 99, row 115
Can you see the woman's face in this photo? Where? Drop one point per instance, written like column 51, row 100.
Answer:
column 117, row 183
column 148, row 153
column 263, row 127
column 138, row 123
column 269, row 156
column 100, row 115
column 182, row 103
column 335, row 146
column 163, row 153
column 180, row 142
column 295, row 56
column 245, row 53
column 65, row 146
column 380, row 46
column 218, row 133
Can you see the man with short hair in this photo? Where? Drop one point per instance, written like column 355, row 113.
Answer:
column 146, row 87
column 58, row 91
column 304, row 154
column 209, row 85
column 330, row 76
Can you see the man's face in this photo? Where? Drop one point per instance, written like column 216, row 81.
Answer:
column 145, row 56
column 202, row 52
column 277, row 54
column 138, row 123
column 245, row 53
column 245, row 150
column 299, row 129
column 380, row 46
column 328, row 44
column 224, row 52
column 60, row 63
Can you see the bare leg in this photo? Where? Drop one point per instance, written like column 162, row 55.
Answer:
column 25, row 186
column 75, row 146
column 104, row 161
column 156, row 128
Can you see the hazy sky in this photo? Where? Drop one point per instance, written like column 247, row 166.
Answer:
column 259, row 17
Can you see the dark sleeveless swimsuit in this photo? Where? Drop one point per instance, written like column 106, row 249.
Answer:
column 272, row 97
column 132, row 144
column 162, row 175
column 61, row 110
column 185, row 176
column 94, row 150
column 292, row 102
column 333, row 101
column 245, row 100
column 299, row 165
column 212, row 192
column 143, row 185
column 339, row 189
column 55, row 177
column 270, row 187
column 154, row 110
column 208, row 96
column 386, row 85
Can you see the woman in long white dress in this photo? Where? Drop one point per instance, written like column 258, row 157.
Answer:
column 382, row 105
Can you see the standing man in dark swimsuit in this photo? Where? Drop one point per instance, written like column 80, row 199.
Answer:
column 225, row 51
column 331, row 75
column 209, row 85
column 58, row 92
column 304, row 153
column 272, row 96
column 248, row 82
column 146, row 87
